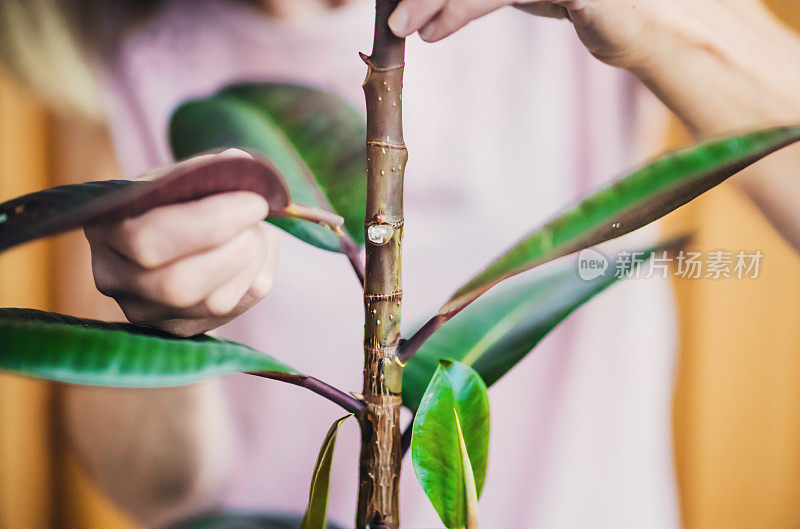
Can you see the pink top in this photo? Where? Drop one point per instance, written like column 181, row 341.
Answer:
column 505, row 123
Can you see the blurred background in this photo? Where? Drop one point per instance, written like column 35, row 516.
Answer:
column 735, row 417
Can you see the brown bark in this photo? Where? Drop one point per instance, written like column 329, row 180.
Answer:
column 386, row 160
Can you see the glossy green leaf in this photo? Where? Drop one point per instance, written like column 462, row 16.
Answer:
column 243, row 520
column 314, row 138
column 628, row 204
column 317, row 510
column 497, row 331
column 450, row 442
column 67, row 349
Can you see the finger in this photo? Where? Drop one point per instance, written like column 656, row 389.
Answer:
column 170, row 232
column 180, row 284
column 411, row 15
column 227, row 297
column 190, row 321
column 108, row 267
column 185, row 328
column 543, row 9
column 258, row 290
column 266, row 276
column 198, row 319
column 140, row 311
column 455, row 15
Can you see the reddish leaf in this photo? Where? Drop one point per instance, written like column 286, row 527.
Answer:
column 68, row 207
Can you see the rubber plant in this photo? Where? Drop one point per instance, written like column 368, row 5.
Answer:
column 308, row 162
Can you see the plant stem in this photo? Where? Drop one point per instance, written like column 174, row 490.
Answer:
column 353, row 253
column 386, row 160
column 349, row 403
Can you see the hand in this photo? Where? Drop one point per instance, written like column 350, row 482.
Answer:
column 721, row 66
column 191, row 267
column 613, row 30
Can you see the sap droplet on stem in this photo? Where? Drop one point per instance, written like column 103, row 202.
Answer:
column 380, row 233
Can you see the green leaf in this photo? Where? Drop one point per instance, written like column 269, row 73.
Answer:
column 317, row 510
column 243, row 520
column 450, row 442
column 63, row 208
column 628, row 204
column 499, row 330
column 315, row 139
column 78, row 351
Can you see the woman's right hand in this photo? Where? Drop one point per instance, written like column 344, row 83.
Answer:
column 188, row 268
column 618, row 32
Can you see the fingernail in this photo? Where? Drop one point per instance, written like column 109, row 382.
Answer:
column 427, row 32
column 233, row 152
column 398, row 21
